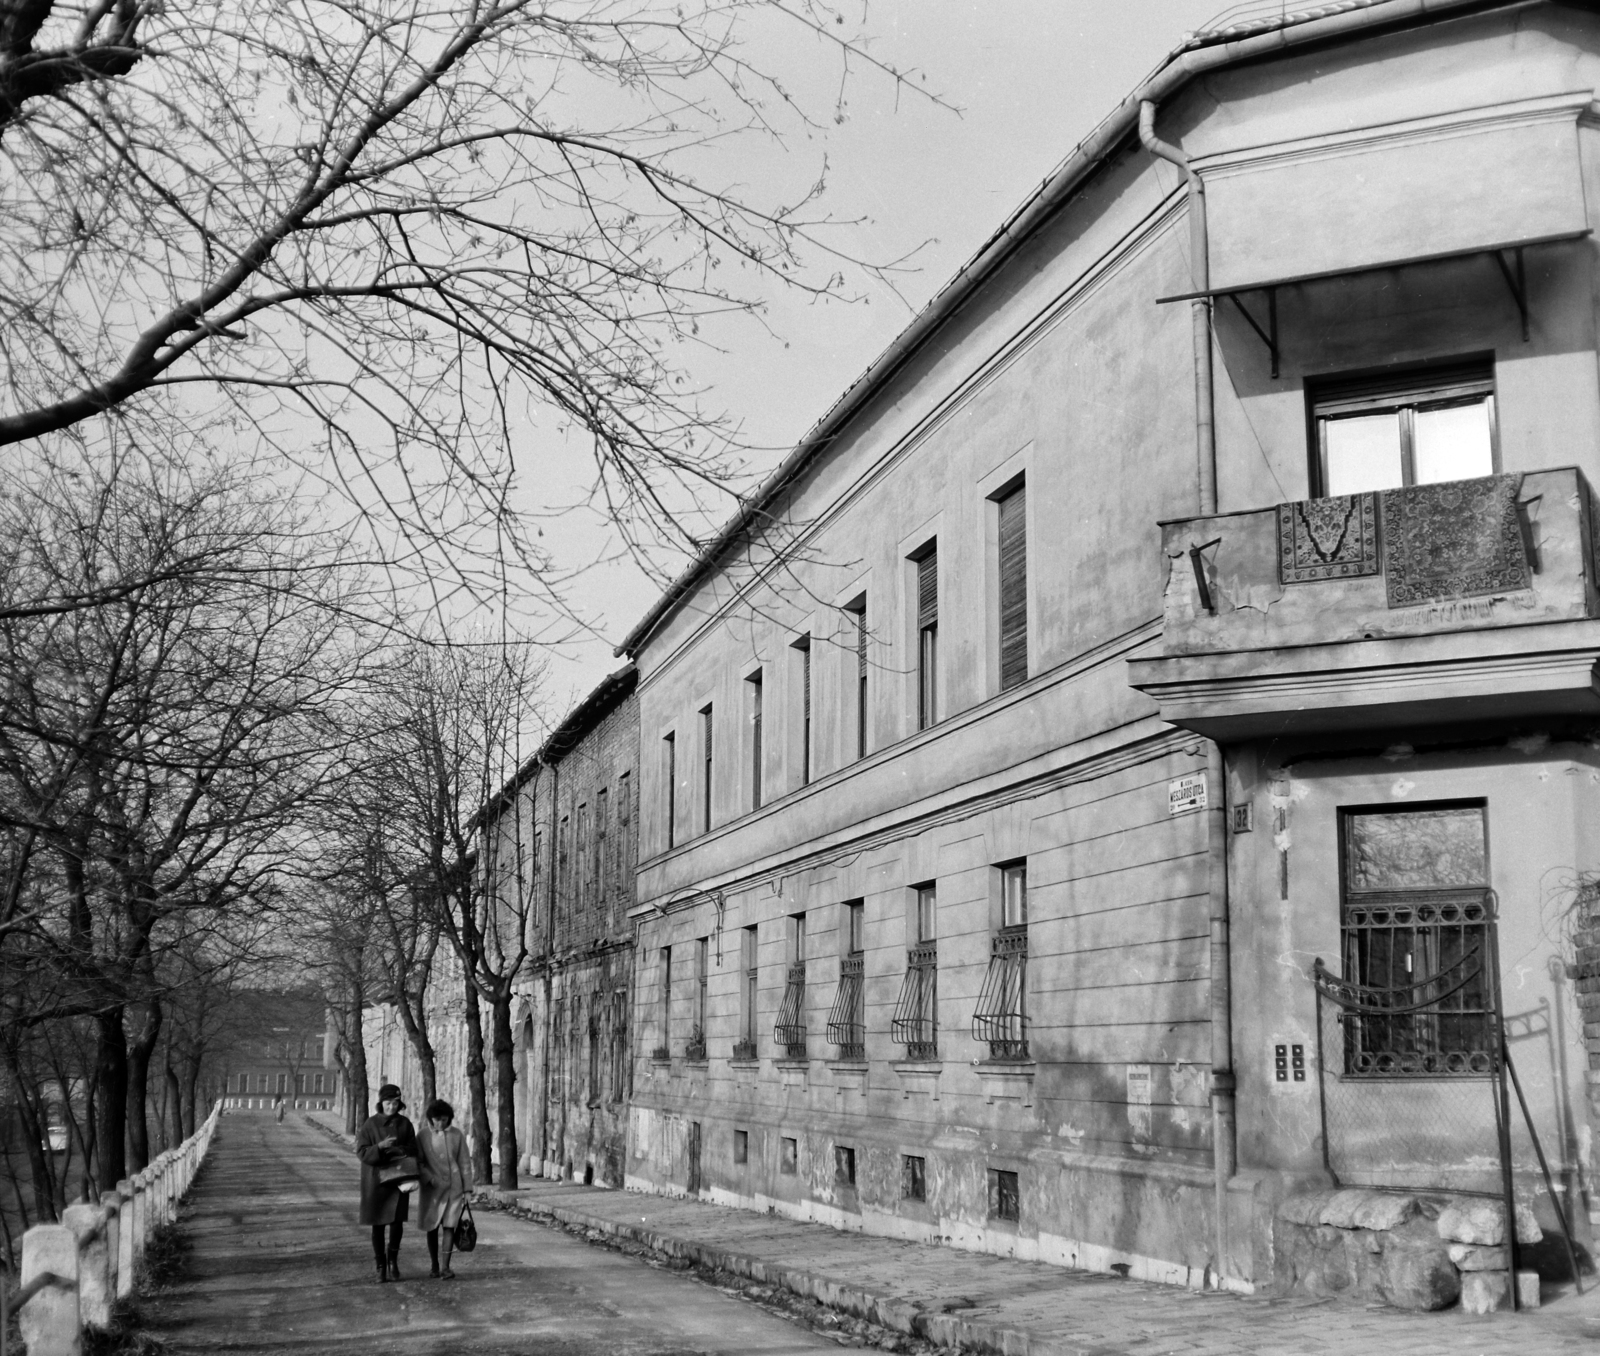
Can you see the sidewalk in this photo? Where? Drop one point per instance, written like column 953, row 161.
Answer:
column 992, row 1304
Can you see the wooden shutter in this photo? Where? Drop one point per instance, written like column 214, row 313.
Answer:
column 928, row 589
column 1013, row 589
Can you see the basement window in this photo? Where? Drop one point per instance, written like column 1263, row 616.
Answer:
column 913, row 1177
column 741, row 1146
column 789, row 1161
column 1004, row 1199
column 844, row 1165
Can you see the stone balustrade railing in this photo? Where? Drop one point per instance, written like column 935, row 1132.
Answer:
column 75, row 1271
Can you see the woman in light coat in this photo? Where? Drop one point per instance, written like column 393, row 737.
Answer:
column 446, row 1179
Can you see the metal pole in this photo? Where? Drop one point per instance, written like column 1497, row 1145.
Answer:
column 1544, row 1167
column 1322, row 1088
column 1502, row 1104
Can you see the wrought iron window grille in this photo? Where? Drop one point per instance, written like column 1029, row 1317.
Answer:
column 661, row 1054
column 790, row 1031
column 847, row 1026
column 1438, row 1019
column 915, row 1022
column 1000, row 1017
column 744, row 1050
column 695, row 1047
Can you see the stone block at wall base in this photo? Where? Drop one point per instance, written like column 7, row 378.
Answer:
column 1417, row 1274
column 1483, row 1292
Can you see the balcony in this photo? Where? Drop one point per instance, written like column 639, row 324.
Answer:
column 1468, row 600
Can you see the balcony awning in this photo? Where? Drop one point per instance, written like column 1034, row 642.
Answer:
column 1507, row 254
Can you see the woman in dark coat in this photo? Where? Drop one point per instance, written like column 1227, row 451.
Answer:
column 385, row 1139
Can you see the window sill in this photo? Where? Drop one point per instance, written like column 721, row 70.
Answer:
column 785, row 1062
column 702, row 1063
column 744, row 1063
column 848, row 1065
column 917, row 1066
column 1004, row 1081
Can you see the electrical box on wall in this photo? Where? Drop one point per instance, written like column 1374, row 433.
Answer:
column 1290, row 1067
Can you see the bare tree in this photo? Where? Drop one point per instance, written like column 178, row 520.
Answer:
column 395, row 238
column 154, row 751
column 447, row 730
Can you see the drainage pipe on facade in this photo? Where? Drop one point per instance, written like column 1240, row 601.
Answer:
column 1223, row 1121
column 554, row 823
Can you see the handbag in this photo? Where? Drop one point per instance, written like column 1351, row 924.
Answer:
column 401, row 1170
column 466, row 1230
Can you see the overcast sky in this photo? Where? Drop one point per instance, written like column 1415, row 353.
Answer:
column 1031, row 77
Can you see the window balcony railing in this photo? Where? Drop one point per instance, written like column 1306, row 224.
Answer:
column 847, row 1027
column 790, row 1030
column 915, row 1022
column 1000, row 1017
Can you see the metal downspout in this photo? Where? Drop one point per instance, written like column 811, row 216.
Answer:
column 549, row 962
column 1224, row 1136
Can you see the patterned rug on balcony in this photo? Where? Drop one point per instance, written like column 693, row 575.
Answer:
column 1328, row 539
column 1459, row 539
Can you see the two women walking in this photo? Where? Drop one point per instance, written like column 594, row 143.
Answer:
column 438, row 1162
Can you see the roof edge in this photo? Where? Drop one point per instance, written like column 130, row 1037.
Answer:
column 603, row 698
column 1196, row 56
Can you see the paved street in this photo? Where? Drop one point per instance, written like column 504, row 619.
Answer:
column 279, row 1264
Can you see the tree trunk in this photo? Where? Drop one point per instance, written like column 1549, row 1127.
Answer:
column 111, row 1105
column 191, row 1099
column 34, row 1137
column 505, row 1075
column 138, row 1064
column 175, row 1105
column 355, row 1044
column 415, row 1022
column 482, row 1143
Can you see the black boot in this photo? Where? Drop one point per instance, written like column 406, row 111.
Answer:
column 433, row 1253
column 394, row 1266
column 383, row 1271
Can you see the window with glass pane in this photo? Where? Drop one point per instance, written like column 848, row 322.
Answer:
column 1380, row 433
column 1416, row 932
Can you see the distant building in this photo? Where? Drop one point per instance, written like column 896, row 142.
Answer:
column 284, row 1055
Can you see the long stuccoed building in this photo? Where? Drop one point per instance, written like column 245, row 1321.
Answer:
column 1112, row 783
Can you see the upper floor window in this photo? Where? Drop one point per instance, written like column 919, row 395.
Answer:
column 927, row 636
column 705, row 781
column 1012, row 540
column 1415, row 428
column 858, row 611
column 753, row 683
column 802, row 651
column 670, row 748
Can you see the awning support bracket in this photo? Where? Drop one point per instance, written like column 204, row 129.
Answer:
column 1517, row 281
column 1268, row 336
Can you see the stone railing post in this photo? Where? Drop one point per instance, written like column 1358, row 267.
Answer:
column 95, row 1284
column 49, row 1321
column 141, row 1216
column 125, row 1245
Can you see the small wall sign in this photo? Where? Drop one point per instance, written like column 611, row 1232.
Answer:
column 1186, row 794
